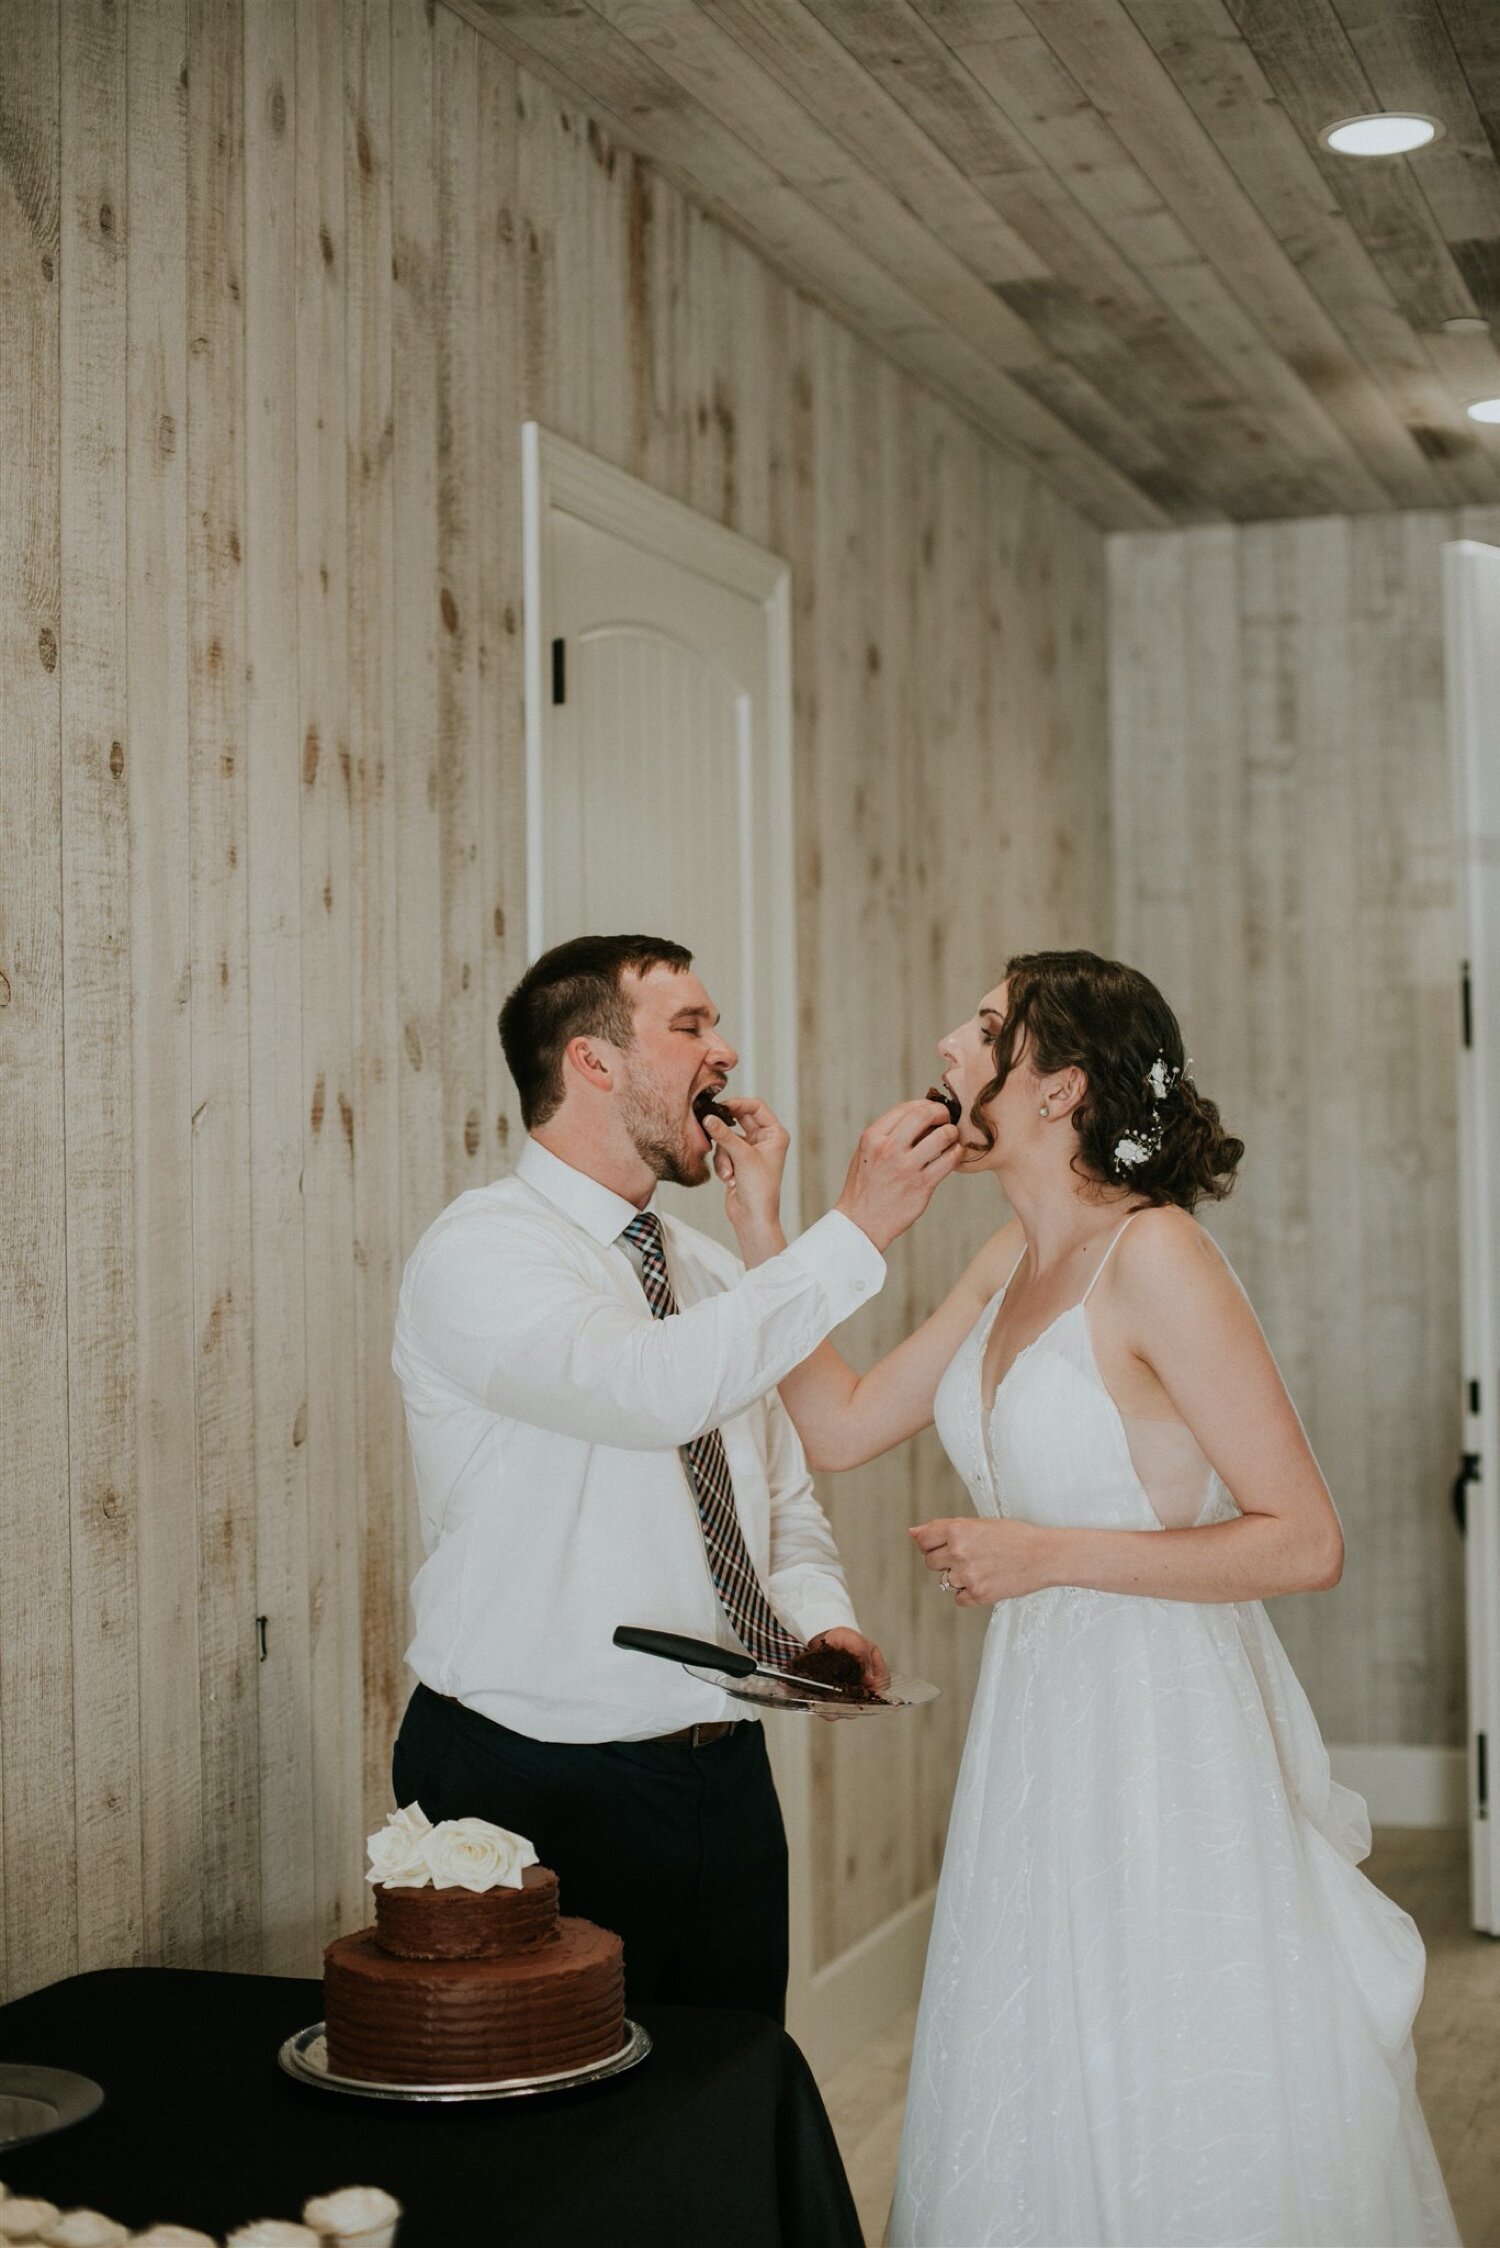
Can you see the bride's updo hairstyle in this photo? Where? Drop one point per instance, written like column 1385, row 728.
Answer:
column 1142, row 1123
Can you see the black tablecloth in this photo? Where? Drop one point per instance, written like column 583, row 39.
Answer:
column 718, row 2140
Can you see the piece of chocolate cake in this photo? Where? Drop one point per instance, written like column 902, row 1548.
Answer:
column 705, row 1106
column 944, row 1099
column 832, row 1666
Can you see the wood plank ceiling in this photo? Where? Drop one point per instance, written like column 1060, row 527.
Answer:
column 1104, row 228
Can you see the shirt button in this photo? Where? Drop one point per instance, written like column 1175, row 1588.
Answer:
column 859, row 1287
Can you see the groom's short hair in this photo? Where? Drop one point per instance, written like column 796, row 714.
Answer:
column 573, row 991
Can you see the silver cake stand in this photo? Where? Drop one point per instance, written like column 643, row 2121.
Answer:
column 305, row 2057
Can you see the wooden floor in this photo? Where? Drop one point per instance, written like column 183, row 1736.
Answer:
column 1458, row 2046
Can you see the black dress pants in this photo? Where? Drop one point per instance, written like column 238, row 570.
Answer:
column 680, row 1850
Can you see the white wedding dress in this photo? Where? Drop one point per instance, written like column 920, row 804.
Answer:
column 1162, row 2006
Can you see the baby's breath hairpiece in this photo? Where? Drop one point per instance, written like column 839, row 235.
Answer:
column 1135, row 1148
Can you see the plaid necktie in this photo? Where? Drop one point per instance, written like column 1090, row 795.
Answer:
column 733, row 1572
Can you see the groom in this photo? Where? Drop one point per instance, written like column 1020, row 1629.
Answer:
column 591, row 1400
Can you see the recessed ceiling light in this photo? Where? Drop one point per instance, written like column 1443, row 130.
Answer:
column 1484, row 410
column 1465, row 324
column 1385, row 134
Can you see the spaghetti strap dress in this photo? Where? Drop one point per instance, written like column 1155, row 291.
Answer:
column 1162, row 2006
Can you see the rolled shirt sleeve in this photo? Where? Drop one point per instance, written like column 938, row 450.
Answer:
column 526, row 1333
column 806, row 1578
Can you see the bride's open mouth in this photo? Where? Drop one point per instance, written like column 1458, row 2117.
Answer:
column 943, row 1094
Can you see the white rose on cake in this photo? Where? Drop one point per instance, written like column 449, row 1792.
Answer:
column 472, row 1854
column 409, row 1852
column 396, row 1859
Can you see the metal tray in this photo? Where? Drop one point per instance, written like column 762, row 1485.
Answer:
column 781, row 1693
column 305, row 2057
column 34, row 2101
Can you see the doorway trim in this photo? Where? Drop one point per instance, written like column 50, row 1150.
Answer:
column 1471, row 591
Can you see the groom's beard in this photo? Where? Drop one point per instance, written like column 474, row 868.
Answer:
column 662, row 1140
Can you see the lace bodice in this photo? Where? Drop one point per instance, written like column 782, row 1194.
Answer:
column 1054, row 1446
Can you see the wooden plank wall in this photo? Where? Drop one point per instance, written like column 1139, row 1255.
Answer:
column 1284, row 869
column 279, row 281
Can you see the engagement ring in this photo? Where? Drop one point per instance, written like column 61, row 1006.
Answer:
column 945, row 1582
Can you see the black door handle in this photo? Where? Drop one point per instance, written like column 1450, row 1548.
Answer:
column 1468, row 1472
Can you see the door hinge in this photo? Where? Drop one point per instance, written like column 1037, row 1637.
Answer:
column 1474, row 1399
column 1482, row 1777
column 1468, row 999
column 560, row 678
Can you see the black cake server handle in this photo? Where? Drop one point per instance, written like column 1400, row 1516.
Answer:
column 640, row 1639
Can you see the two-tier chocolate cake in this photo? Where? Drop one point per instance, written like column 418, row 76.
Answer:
column 458, row 1986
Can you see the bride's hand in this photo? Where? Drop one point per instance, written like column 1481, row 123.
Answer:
column 987, row 1561
column 749, row 1162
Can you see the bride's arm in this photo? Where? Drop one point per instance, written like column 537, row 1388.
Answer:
column 1185, row 1315
column 844, row 1418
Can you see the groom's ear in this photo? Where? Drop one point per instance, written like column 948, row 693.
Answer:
column 592, row 1060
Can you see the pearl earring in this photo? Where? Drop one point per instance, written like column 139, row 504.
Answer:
column 1044, row 1110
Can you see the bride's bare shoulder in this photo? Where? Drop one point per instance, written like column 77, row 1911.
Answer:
column 1166, row 1247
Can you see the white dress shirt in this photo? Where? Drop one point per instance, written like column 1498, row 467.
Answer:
column 545, row 1407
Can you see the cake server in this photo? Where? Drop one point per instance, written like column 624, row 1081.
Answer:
column 641, row 1639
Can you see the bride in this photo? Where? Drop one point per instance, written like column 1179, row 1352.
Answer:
column 1161, row 2005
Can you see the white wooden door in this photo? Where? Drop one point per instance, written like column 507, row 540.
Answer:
column 659, row 800
column 1472, row 599
column 658, row 738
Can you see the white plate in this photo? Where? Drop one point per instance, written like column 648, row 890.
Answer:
column 35, row 2101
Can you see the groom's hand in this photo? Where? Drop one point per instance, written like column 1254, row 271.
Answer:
column 900, row 1162
column 876, row 1669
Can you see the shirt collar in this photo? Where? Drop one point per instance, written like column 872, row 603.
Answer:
column 602, row 1214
